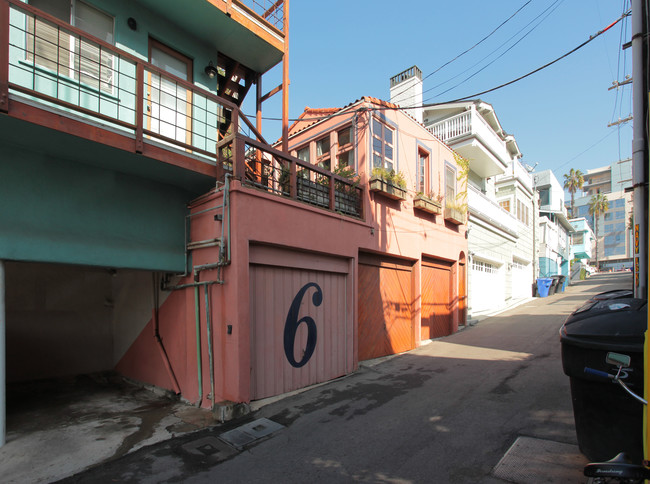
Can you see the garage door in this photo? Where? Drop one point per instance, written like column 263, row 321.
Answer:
column 521, row 280
column 436, row 299
column 385, row 307
column 487, row 290
column 299, row 324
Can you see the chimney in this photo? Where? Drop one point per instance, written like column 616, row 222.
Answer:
column 406, row 91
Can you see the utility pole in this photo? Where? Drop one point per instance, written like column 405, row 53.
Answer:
column 639, row 151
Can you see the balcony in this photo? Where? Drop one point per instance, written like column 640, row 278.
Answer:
column 250, row 31
column 473, row 138
column 487, row 210
column 85, row 100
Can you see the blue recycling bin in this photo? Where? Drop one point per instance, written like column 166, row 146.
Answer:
column 543, row 285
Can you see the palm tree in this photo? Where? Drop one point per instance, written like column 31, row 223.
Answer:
column 573, row 181
column 597, row 206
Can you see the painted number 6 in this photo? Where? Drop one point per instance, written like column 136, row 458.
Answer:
column 292, row 324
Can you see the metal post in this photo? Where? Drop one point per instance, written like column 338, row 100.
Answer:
column 285, row 81
column 639, row 155
column 3, row 380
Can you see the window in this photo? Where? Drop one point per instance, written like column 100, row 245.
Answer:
column 619, row 203
column 609, row 215
column 505, row 204
column 609, row 227
column 382, row 145
column 169, row 104
column 545, row 197
column 481, row 266
column 609, row 251
column 323, row 153
column 578, row 239
column 423, row 171
column 620, row 215
column 303, row 154
column 66, row 54
column 450, row 184
column 522, row 212
column 619, row 227
column 345, row 156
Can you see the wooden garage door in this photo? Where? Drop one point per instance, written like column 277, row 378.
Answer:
column 299, row 328
column 436, row 299
column 385, row 307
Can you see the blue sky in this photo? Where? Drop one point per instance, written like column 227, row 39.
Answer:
column 343, row 50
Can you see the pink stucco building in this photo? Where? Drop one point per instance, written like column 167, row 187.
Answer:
column 300, row 273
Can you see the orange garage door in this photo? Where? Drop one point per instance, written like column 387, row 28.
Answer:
column 385, row 307
column 436, row 299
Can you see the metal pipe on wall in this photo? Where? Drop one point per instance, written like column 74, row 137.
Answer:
column 208, row 324
column 156, row 335
column 199, row 366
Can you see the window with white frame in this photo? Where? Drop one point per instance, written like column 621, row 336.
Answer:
column 68, row 55
column 518, row 266
column 480, row 266
column 450, row 184
column 382, row 145
column 423, row 171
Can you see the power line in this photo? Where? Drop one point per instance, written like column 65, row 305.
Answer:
column 343, row 112
column 598, row 34
column 473, row 46
column 554, row 6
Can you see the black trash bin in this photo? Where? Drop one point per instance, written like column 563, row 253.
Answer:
column 560, row 283
column 607, row 419
column 553, row 289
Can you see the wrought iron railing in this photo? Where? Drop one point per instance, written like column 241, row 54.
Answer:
column 266, row 168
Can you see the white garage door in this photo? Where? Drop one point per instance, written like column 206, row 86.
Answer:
column 487, row 291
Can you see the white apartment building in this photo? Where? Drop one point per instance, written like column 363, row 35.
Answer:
column 502, row 217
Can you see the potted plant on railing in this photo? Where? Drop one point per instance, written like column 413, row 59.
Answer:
column 388, row 183
column 455, row 212
column 430, row 202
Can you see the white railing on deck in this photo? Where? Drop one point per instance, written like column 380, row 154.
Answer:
column 471, row 123
column 454, row 127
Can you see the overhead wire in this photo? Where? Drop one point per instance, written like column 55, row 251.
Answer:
column 472, row 47
column 553, row 6
column 344, row 112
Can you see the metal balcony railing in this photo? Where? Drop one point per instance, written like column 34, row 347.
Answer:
column 272, row 11
column 49, row 63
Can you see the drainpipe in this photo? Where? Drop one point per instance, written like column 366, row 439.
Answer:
column 199, row 366
column 638, row 151
column 159, row 343
column 3, row 383
column 208, row 324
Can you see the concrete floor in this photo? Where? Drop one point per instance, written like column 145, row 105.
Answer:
column 57, row 428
